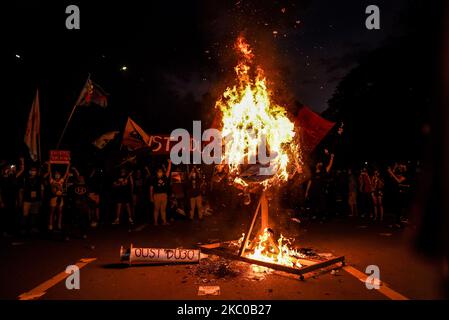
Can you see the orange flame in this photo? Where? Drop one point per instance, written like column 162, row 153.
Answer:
column 277, row 252
column 251, row 119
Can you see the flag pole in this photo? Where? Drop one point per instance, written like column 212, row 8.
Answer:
column 70, row 116
column 66, row 125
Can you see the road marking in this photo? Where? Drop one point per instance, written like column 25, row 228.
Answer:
column 41, row 289
column 384, row 288
column 141, row 227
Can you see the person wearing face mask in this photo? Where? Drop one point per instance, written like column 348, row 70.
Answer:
column 158, row 194
column 56, row 201
column 194, row 193
column 33, row 191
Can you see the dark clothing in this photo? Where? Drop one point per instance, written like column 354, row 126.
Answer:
column 401, row 194
column 77, row 216
column 123, row 192
column 8, row 190
column 8, row 214
column 318, row 193
column 160, row 185
column 319, row 184
column 138, row 186
column 95, row 183
column 193, row 187
column 32, row 189
column 80, row 195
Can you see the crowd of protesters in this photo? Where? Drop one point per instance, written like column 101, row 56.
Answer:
column 59, row 198
column 359, row 192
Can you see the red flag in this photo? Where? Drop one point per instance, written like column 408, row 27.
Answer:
column 92, row 93
column 33, row 129
column 313, row 128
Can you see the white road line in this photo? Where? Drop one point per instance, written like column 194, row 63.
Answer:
column 384, row 288
column 41, row 289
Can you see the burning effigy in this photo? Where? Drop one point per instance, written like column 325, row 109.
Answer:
column 260, row 141
column 260, row 151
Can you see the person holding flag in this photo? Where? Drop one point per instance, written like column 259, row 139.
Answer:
column 91, row 93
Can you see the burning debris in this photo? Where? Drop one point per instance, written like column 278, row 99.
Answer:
column 260, row 140
column 260, row 151
column 265, row 248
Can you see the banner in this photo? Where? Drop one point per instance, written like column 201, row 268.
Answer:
column 159, row 255
column 59, row 157
column 313, row 128
column 161, row 144
column 134, row 138
column 33, row 129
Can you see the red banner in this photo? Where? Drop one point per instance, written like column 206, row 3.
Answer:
column 59, row 156
column 161, row 144
column 313, row 128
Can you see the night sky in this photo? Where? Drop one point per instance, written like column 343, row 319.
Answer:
column 179, row 58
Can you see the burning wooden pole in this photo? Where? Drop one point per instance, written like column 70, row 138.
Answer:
column 262, row 207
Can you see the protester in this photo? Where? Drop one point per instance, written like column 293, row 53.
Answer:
column 352, row 194
column 123, row 186
column 194, row 193
column 174, row 208
column 341, row 189
column 56, row 200
column 158, row 194
column 7, row 203
column 401, row 191
column 365, row 190
column 138, row 192
column 79, row 194
column 95, row 188
column 377, row 184
column 20, row 177
column 33, row 193
column 316, row 190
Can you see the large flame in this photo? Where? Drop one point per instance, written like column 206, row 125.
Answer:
column 264, row 248
column 251, row 119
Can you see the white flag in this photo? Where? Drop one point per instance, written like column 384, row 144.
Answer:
column 104, row 139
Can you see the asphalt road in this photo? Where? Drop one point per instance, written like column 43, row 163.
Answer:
column 31, row 264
